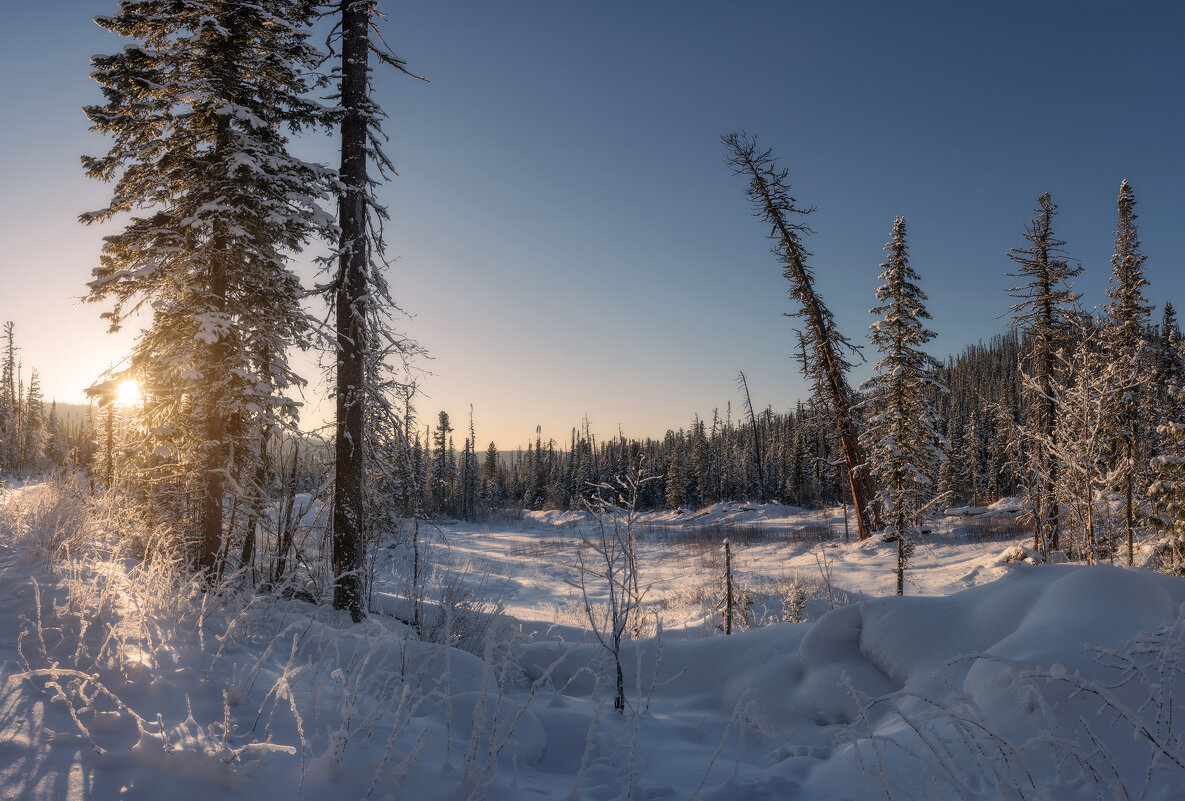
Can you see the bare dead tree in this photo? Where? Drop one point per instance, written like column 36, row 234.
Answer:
column 611, row 548
column 744, row 387
column 824, row 353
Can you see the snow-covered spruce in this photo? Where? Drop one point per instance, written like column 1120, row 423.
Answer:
column 903, row 435
column 197, row 106
column 1130, row 359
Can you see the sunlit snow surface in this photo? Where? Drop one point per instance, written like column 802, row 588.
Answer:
column 919, row 697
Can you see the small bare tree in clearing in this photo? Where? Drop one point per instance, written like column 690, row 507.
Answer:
column 608, row 552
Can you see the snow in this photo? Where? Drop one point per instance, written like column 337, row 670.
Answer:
column 116, row 683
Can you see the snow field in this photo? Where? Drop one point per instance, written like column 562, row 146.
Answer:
column 116, row 682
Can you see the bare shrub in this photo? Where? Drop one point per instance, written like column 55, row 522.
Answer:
column 711, row 537
column 608, row 553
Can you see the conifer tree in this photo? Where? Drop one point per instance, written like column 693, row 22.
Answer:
column 55, row 439
column 1168, row 372
column 903, row 438
column 33, row 435
column 674, row 484
column 1043, row 308
column 823, row 346
column 491, row 491
column 1126, row 347
column 9, row 400
column 700, row 465
column 1167, row 487
column 198, row 105
column 758, row 462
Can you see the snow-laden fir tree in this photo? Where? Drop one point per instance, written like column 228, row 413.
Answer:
column 1127, row 348
column 33, row 437
column 903, row 436
column 198, row 105
column 1044, row 306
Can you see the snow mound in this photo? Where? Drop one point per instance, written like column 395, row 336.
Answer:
column 901, row 677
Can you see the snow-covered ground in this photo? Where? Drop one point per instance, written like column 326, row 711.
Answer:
column 981, row 683
column 530, row 566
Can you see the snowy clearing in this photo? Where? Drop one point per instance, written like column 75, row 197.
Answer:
column 991, row 680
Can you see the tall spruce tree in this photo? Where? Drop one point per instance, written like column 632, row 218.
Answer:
column 824, row 348
column 903, row 437
column 1043, row 311
column 198, row 106
column 1125, row 333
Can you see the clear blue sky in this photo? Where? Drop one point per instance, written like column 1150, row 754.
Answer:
column 566, row 235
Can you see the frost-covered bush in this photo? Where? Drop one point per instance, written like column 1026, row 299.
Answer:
column 49, row 519
column 206, row 678
column 794, row 610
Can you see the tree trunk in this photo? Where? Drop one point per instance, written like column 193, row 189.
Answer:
column 1090, row 537
column 351, row 335
column 247, row 555
column 213, row 479
column 619, row 699
column 834, row 379
column 217, row 453
column 727, row 588
column 900, row 564
column 1130, row 521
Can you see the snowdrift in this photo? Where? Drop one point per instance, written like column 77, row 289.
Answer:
column 958, row 696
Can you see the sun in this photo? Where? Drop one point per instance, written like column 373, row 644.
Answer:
column 128, row 393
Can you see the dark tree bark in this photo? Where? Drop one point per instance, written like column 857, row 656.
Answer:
column 217, row 453
column 351, row 329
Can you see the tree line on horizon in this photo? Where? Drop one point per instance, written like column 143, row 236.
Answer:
column 35, row 438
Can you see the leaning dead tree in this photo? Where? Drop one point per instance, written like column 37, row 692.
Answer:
column 743, row 385
column 824, row 347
